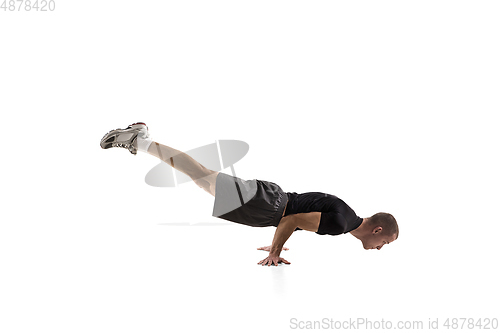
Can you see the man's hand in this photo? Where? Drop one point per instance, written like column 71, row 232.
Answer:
column 268, row 248
column 284, row 230
column 272, row 260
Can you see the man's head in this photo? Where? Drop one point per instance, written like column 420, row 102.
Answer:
column 378, row 230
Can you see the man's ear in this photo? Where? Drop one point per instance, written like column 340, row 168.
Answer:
column 377, row 230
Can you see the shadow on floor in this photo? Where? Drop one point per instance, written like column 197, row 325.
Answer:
column 200, row 224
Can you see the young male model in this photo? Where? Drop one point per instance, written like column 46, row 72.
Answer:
column 259, row 203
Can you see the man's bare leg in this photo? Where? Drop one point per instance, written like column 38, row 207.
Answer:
column 203, row 177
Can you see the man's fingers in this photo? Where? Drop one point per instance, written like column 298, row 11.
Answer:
column 273, row 261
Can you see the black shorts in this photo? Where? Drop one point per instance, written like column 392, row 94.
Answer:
column 255, row 203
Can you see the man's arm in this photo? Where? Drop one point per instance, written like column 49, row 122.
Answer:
column 287, row 225
column 284, row 230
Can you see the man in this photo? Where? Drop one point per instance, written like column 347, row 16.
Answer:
column 260, row 203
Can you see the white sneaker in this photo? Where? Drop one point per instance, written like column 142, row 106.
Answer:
column 125, row 138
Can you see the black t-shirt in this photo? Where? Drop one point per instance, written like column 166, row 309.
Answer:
column 336, row 216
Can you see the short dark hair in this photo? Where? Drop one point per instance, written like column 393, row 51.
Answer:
column 387, row 222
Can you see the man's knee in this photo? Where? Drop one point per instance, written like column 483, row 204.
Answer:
column 202, row 183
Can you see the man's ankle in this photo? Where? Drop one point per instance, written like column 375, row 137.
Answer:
column 143, row 144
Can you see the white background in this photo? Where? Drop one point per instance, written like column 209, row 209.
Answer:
column 390, row 105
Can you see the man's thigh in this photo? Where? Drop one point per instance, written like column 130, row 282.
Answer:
column 208, row 182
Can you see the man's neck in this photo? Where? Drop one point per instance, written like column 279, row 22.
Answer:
column 358, row 232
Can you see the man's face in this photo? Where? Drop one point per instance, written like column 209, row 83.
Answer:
column 376, row 240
